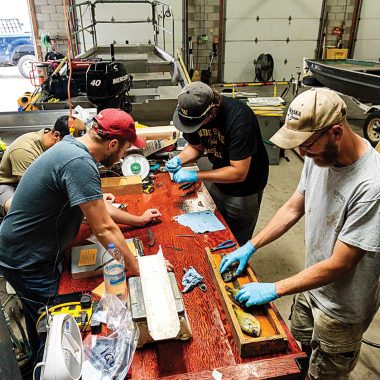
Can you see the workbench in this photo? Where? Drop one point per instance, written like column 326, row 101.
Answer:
column 212, row 345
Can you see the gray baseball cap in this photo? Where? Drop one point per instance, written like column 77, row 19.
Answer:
column 194, row 103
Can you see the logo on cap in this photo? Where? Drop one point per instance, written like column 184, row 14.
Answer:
column 293, row 114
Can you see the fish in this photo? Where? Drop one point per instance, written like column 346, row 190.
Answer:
column 248, row 323
column 232, row 294
column 230, row 274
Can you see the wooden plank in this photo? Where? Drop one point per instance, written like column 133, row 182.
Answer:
column 161, row 311
column 272, row 339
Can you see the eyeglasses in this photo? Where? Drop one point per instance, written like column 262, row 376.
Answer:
column 308, row 146
column 195, row 117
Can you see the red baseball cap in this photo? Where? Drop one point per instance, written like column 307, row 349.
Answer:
column 114, row 123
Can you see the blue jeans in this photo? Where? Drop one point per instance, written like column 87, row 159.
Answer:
column 35, row 290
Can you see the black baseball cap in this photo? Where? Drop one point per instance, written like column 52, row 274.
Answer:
column 194, row 104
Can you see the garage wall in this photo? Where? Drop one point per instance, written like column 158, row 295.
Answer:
column 340, row 13
column 286, row 29
column 203, row 19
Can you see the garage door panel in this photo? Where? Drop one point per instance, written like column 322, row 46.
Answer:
column 244, row 72
column 272, row 9
column 367, row 45
column 369, row 29
column 369, row 9
column 249, row 51
column 272, row 30
column 136, row 33
column 249, row 29
column 370, row 51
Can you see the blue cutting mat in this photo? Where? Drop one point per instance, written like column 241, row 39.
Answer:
column 200, row 222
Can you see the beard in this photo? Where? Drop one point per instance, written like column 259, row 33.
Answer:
column 111, row 160
column 328, row 158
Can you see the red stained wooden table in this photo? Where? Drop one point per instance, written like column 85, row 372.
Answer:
column 212, row 345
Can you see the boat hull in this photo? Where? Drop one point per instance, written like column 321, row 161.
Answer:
column 362, row 83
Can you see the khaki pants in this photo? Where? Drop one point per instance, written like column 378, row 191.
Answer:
column 335, row 345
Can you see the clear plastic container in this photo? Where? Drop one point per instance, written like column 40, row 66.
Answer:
column 114, row 271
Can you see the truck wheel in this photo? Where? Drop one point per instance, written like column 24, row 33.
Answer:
column 371, row 127
column 25, row 64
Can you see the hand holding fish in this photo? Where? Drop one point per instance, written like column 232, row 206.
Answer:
column 257, row 293
column 241, row 256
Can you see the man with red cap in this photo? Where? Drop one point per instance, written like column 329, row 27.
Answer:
column 59, row 188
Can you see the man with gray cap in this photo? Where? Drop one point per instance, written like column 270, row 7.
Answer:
column 337, row 295
column 228, row 132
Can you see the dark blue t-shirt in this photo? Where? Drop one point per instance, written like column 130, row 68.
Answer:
column 234, row 135
column 45, row 215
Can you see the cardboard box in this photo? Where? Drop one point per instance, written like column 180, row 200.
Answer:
column 333, row 53
column 122, row 185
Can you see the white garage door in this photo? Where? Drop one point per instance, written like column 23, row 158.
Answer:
column 367, row 44
column 286, row 29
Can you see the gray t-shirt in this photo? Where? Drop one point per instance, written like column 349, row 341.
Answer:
column 45, row 215
column 344, row 204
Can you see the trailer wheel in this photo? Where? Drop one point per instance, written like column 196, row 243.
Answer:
column 371, row 127
column 25, row 64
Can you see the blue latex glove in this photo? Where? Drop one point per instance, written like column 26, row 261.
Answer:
column 241, row 256
column 173, row 165
column 185, row 176
column 190, row 279
column 257, row 293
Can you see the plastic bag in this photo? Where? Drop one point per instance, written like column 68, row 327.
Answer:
column 108, row 357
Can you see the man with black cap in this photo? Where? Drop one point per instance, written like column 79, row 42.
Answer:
column 21, row 153
column 55, row 193
column 228, row 132
column 337, row 295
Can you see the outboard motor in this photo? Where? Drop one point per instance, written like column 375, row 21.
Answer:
column 107, row 85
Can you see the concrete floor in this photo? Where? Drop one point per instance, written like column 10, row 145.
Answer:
column 280, row 259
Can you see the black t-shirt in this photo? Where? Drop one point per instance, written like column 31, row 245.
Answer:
column 234, row 135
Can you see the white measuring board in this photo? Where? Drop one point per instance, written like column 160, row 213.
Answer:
column 161, row 312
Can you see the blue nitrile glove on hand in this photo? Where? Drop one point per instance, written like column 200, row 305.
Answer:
column 241, row 256
column 257, row 293
column 185, row 176
column 173, row 165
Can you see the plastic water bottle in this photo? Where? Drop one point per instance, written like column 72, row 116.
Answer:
column 114, row 271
